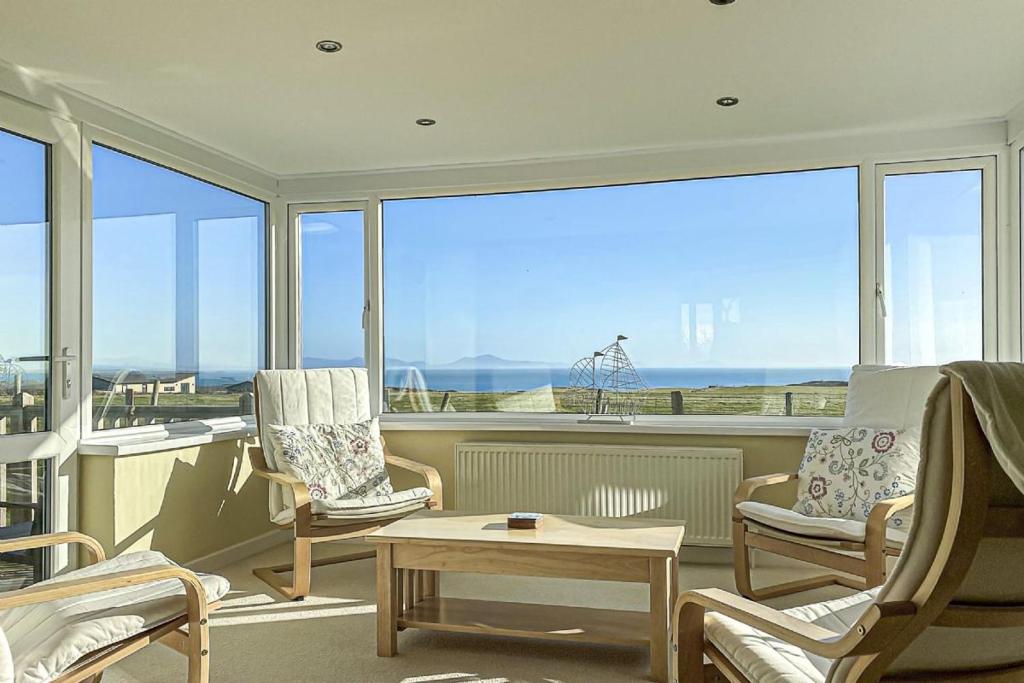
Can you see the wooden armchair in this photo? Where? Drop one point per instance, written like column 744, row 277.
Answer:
column 86, row 605
column 330, row 396
column 878, row 397
column 952, row 610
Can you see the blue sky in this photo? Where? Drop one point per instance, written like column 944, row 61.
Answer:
column 757, row 271
column 137, row 207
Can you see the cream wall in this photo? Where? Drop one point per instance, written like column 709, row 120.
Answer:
column 761, row 454
column 186, row 503
column 193, row 502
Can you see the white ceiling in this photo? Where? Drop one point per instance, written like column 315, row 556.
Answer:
column 519, row 79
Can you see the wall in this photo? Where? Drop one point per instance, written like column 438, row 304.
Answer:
column 761, row 454
column 186, row 503
column 192, row 502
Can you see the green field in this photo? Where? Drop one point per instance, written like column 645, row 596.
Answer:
column 806, row 400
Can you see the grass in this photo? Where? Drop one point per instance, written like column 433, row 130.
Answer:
column 766, row 400
column 813, row 401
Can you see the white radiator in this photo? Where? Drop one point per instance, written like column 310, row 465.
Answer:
column 691, row 484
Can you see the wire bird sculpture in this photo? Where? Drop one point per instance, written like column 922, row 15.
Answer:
column 10, row 372
column 606, row 383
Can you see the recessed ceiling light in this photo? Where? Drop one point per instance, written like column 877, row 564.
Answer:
column 727, row 101
column 425, row 122
column 328, row 46
column 722, row 2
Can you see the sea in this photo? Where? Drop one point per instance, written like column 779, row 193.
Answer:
column 516, row 379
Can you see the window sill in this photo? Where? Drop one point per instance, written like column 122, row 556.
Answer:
column 691, row 424
column 156, row 438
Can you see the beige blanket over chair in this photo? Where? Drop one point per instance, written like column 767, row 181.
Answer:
column 997, row 390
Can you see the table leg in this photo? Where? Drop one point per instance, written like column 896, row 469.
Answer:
column 661, row 593
column 431, row 584
column 387, row 602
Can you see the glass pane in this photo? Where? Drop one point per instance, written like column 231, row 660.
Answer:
column 332, row 289
column 23, row 512
column 179, row 313
column 24, row 281
column 933, row 266
column 736, row 295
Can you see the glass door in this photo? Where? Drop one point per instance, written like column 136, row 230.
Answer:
column 39, row 334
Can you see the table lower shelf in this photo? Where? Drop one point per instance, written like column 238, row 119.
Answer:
column 550, row 622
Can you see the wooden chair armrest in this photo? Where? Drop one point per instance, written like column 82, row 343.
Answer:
column 299, row 489
column 93, row 546
column 880, row 514
column 748, row 486
column 802, row 634
column 430, row 474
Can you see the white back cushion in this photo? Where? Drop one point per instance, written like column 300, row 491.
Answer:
column 881, row 396
column 302, row 397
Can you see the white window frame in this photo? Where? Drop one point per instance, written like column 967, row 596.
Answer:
column 990, row 267
column 294, row 258
column 128, row 440
column 59, row 442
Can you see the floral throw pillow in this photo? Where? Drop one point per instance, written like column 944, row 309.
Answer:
column 846, row 471
column 337, row 461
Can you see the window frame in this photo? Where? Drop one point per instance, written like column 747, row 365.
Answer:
column 1001, row 290
column 294, row 257
column 989, row 238
column 243, row 424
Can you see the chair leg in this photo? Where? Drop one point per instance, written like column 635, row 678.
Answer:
column 688, row 644
column 301, row 569
column 741, row 560
column 741, row 569
column 875, row 568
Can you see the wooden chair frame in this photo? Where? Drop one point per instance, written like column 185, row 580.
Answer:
column 193, row 643
column 310, row 529
column 887, row 628
column 868, row 570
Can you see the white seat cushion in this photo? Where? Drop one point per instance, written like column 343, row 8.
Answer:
column 391, row 505
column 813, row 527
column 766, row 659
column 47, row 638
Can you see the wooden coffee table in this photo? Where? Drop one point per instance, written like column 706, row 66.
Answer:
column 411, row 552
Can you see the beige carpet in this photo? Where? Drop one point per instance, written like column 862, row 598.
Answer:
column 332, row 636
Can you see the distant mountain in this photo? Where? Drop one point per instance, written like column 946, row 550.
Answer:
column 485, row 361
column 492, row 362
column 356, row 362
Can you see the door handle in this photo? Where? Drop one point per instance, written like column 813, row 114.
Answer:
column 65, row 359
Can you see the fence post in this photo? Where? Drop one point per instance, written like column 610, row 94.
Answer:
column 444, row 401
column 247, row 403
column 17, row 382
column 677, row 402
column 129, row 397
column 24, row 400
column 789, row 403
column 597, row 401
column 155, row 395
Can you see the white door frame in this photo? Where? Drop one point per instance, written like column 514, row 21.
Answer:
column 59, row 443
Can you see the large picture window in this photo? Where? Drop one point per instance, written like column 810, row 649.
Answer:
column 735, row 295
column 179, row 313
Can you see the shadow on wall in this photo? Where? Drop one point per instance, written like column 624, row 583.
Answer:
column 207, row 502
